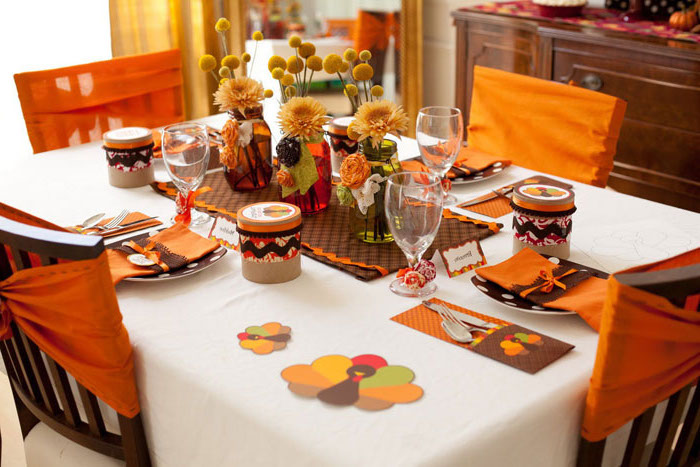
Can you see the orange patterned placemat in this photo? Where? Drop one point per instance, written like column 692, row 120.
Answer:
column 494, row 208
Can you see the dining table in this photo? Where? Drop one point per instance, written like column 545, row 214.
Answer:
column 205, row 401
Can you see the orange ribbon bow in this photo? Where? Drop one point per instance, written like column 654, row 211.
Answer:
column 186, row 203
column 549, row 282
column 149, row 253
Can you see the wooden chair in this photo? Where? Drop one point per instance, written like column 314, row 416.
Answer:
column 41, row 387
column 681, row 287
column 78, row 104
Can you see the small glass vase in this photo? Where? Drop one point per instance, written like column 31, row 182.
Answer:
column 372, row 226
column 255, row 170
column 316, row 199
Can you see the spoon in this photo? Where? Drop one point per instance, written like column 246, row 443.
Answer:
column 457, row 332
column 91, row 221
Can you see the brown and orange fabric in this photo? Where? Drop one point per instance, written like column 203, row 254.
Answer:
column 170, row 249
column 468, row 162
column 543, row 125
column 648, row 349
column 78, row 104
column 70, row 311
column 550, row 285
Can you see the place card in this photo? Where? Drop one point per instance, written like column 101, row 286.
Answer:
column 464, row 257
column 224, row 232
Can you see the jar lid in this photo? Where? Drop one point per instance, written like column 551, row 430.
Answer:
column 271, row 216
column 539, row 197
column 128, row 135
column 339, row 125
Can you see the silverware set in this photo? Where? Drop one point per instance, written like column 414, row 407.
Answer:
column 502, row 193
column 113, row 225
column 458, row 328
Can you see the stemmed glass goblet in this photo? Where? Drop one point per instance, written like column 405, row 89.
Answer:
column 413, row 209
column 439, row 132
column 186, row 157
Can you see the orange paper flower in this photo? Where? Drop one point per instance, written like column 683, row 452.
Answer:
column 354, row 171
column 365, row 381
column 266, row 338
column 284, row 178
column 229, row 133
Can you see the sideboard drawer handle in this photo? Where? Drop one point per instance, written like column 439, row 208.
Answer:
column 592, row 81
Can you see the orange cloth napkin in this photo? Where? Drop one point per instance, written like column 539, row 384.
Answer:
column 522, row 272
column 178, row 239
column 468, row 162
column 132, row 217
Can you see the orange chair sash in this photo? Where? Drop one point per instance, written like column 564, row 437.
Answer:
column 648, row 350
column 70, row 311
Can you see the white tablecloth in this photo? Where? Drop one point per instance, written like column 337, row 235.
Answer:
column 207, row 402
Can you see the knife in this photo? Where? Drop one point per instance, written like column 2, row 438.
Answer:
column 494, row 195
column 120, row 227
column 473, row 321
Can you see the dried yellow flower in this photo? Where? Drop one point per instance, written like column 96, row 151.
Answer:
column 314, row 63
column 238, row 94
column 345, row 66
column 295, row 64
column 350, row 55
column 258, row 36
column 231, row 61
column 363, row 72
column 222, row 81
column 207, row 63
column 351, row 90
column 294, row 41
column 276, row 62
column 307, row 49
column 245, row 57
column 268, row 93
column 377, row 90
column 302, row 117
column 376, row 119
column 365, row 55
column 332, row 63
column 225, row 72
column 222, row 25
column 287, row 80
column 277, row 73
column 290, row 91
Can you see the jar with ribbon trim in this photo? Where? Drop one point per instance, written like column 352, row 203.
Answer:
column 247, row 152
column 542, row 219
column 129, row 156
column 342, row 145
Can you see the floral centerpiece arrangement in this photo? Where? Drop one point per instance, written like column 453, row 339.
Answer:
column 247, row 154
column 304, row 172
column 363, row 175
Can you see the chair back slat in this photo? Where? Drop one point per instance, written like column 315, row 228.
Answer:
column 21, row 258
column 47, row 260
column 92, row 411
column 638, row 438
column 689, row 432
column 24, row 365
column 5, row 266
column 669, row 426
column 42, row 376
column 65, row 394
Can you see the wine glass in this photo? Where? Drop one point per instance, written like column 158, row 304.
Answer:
column 413, row 209
column 439, row 132
column 186, row 157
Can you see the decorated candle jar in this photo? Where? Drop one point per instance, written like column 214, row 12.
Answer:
column 542, row 219
column 270, row 242
column 341, row 144
column 129, row 156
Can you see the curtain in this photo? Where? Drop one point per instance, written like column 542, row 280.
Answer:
column 142, row 26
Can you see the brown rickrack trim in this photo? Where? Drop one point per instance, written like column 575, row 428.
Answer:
column 540, row 298
column 283, row 233
column 542, row 213
column 173, row 260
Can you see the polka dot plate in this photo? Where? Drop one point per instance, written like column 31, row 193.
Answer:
column 504, row 297
column 491, row 171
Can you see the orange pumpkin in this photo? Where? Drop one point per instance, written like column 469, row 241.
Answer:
column 684, row 20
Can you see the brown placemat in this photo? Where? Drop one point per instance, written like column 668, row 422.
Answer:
column 326, row 236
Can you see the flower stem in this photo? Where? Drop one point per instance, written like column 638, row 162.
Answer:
column 255, row 52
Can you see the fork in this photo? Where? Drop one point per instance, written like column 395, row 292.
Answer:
column 114, row 222
column 463, row 323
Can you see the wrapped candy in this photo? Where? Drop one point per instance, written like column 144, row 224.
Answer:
column 414, row 280
column 427, row 269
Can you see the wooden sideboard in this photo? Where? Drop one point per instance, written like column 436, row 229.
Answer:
column 658, row 153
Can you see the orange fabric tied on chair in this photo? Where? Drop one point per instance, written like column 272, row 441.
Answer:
column 78, row 104
column 70, row 311
column 542, row 125
column 638, row 326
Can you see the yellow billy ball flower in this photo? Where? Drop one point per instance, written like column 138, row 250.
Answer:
column 207, row 63
column 287, row 80
column 350, row 55
column 222, row 25
column 231, row 61
column 245, row 57
column 294, row 41
column 377, row 90
column 276, row 62
column 314, row 63
column 351, row 90
column 268, row 93
column 362, row 72
column 365, row 55
column 332, row 63
column 258, row 36
column 345, row 66
column 295, row 64
column 290, row 91
column 307, row 49
column 277, row 73
column 225, row 72
column 222, row 81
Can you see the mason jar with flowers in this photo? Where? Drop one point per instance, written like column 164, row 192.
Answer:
column 246, row 155
column 363, row 175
